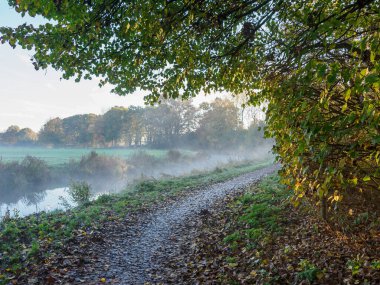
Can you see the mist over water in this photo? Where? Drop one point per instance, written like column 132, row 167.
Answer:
column 140, row 166
column 203, row 161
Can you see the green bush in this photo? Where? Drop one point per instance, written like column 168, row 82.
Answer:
column 25, row 177
column 146, row 186
column 80, row 192
column 94, row 165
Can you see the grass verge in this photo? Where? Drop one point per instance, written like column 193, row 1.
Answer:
column 260, row 238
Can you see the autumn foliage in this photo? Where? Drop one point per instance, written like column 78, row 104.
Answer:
column 315, row 62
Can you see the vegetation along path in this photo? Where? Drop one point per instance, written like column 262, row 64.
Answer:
column 130, row 255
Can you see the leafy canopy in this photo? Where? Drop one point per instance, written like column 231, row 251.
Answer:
column 315, row 62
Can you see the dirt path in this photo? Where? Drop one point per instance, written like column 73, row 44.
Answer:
column 132, row 254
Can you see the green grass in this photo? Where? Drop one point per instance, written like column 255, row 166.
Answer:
column 57, row 156
column 262, row 209
column 30, row 239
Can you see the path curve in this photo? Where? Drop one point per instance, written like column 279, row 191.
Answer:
column 134, row 253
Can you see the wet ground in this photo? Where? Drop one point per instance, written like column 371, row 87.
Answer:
column 135, row 253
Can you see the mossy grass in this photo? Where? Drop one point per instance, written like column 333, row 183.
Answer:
column 262, row 212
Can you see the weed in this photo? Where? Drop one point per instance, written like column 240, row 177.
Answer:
column 309, row 271
column 104, row 199
column 375, row 264
column 34, row 249
column 355, row 265
column 230, row 259
column 232, row 237
column 361, row 218
column 146, row 186
column 255, row 234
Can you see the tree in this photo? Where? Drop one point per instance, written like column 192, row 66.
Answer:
column 80, row 129
column 52, row 132
column 316, row 63
column 219, row 123
column 14, row 135
column 11, row 135
column 169, row 122
column 113, row 125
column 26, row 136
column 136, row 130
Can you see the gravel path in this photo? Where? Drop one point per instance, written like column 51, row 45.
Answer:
column 134, row 253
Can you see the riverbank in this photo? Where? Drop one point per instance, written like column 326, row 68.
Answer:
column 32, row 249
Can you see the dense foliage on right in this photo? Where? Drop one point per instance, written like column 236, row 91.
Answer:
column 324, row 106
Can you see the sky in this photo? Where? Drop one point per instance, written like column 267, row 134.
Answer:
column 29, row 98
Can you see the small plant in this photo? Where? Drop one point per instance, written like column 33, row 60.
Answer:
column 375, row 264
column 104, row 198
column 355, row 265
column 309, row 271
column 255, row 234
column 34, row 249
column 230, row 259
column 287, row 249
column 146, row 186
column 232, row 237
column 361, row 218
column 80, row 192
column 218, row 170
column 7, row 216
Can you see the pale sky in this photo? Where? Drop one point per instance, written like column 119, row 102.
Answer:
column 28, row 98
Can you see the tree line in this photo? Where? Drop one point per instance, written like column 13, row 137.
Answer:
column 218, row 124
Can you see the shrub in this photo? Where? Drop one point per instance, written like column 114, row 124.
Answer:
column 18, row 179
column 80, row 192
column 173, row 155
column 94, row 165
column 142, row 159
column 35, row 170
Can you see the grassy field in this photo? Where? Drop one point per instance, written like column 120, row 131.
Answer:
column 56, row 156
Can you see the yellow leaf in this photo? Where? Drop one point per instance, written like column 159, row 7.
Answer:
column 296, row 203
column 337, row 198
column 253, row 273
column 367, row 178
column 372, row 57
column 265, row 262
column 103, row 280
column 347, row 95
